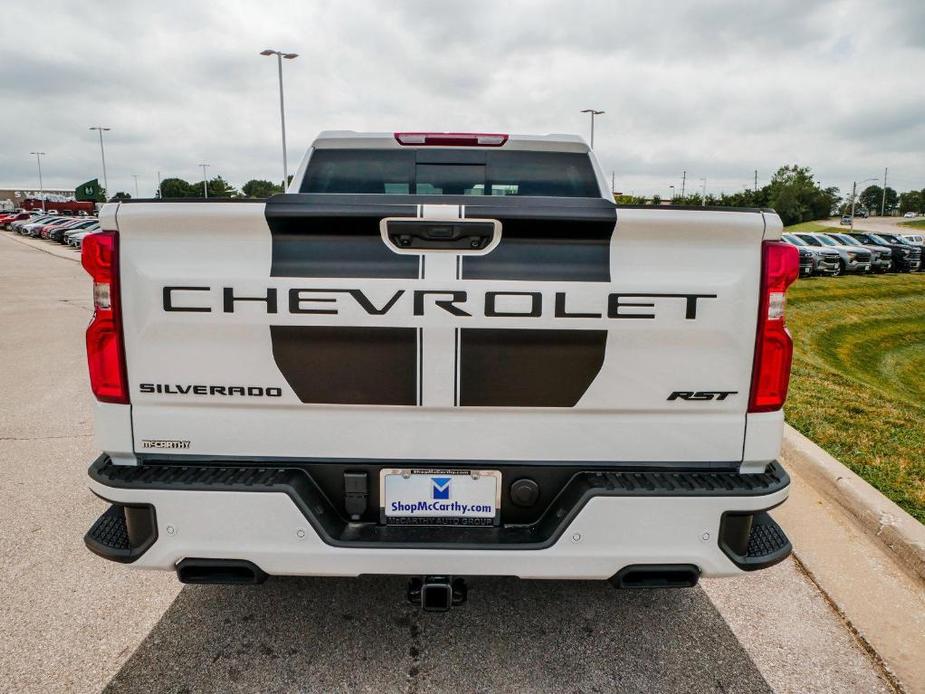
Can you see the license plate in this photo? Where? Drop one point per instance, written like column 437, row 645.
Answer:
column 440, row 497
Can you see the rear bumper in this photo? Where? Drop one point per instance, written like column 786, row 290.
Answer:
column 599, row 524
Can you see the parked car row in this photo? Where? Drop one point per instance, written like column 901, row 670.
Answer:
column 836, row 253
column 831, row 253
column 67, row 229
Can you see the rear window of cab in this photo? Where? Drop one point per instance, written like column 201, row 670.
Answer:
column 450, row 172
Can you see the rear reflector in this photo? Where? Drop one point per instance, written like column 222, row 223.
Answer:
column 452, row 139
column 780, row 266
column 105, row 349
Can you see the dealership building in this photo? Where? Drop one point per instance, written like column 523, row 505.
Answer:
column 17, row 195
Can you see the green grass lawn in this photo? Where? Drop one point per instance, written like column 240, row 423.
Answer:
column 917, row 224
column 808, row 227
column 858, row 385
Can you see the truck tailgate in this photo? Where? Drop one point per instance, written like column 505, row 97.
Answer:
column 295, row 329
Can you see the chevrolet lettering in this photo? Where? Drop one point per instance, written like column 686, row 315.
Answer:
column 458, row 303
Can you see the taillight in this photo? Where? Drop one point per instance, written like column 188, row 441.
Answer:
column 105, row 350
column 780, row 266
column 452, row 139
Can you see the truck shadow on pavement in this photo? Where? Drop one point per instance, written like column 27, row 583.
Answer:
column 345, row 635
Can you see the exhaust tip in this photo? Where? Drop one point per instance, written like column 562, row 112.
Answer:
column 219, row 571
column 656, row 576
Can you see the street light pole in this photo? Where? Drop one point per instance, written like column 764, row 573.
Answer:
column 593, row 113
column 703, row 200
column 38, row 159
column 854, row 190
column 135, row 176
column 205, row 188
column 282, row 109
column 683, row 183
column 854, row 193
column 883, row 199
column 103, row 156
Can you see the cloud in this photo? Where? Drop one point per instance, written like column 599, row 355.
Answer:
column 718, row 88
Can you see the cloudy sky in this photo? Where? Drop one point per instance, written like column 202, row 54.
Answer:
column 719, row 88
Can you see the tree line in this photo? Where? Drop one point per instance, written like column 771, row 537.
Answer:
column 793, row 192
column 796, row 196
column 217, row 187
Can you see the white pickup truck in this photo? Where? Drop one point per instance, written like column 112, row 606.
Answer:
column 439, row 355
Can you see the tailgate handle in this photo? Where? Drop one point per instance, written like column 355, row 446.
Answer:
column 462, row 236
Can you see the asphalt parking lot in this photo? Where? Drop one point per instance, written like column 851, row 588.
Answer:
column 73, row 622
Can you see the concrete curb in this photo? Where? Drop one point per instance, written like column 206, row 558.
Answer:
column 902, row 534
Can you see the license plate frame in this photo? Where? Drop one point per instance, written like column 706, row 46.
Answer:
column 417, row 485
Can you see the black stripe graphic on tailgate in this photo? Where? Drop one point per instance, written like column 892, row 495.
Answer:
column 327, row 236
column 348, row 366
column 580, row 254
column 543, row 239
column 565, row 241
column 528, row 368
column 337, row 247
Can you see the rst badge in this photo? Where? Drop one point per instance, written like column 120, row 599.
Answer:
column 701, row 395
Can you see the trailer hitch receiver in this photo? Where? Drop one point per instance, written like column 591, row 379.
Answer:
column 437, row 593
